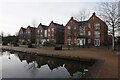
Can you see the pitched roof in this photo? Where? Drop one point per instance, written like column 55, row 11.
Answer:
column 23, row 28
column 94, row 14
column 83, row 22
column 43, row 26
column 57, row 25
column 33, row 29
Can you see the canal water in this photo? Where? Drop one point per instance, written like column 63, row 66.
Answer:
column 22, row 65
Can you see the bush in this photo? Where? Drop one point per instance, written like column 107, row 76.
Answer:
column 4, row 43
column 48, row 44
column 30, row 45
column 16, row 45
column 58, row 47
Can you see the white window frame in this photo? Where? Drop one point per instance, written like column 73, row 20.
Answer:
column 98, row 42
column 96, row 34
column 97, row 26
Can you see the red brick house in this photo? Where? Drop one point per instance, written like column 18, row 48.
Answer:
column 21, row 35
column 41, row 34
column 30, row 34
column 93, row 32
column 55, row 33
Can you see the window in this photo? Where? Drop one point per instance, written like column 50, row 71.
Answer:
column 89, row 33
column 28, row 32
column 74, row 27
column 38, row 31
column 52, row 35
column 75, row 34
column 41, row 35
column 68, row 27
column 96, row 26
column 75, row 40
column 21, row 32
column 53, row 29
column 82, row 31
column 69, row 41
column 69, row 31
column 89, row 40
column 48, row 34
column 96, row 34
column 45, row 34
column 41, row 31
column 89, row 25
column 96, row 42
column 48, row 30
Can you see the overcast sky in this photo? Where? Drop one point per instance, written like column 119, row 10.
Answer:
column 21, row 13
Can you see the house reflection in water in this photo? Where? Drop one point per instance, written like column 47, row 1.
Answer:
column 71, row 66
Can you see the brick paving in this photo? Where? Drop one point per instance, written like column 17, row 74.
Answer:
column 105, row 67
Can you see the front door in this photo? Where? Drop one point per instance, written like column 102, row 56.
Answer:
column 96, row 42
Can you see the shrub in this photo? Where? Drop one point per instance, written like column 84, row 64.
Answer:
column 58, row 47
column 48, row 44
column 4, row 43
column 16, row 45
column 30, row 45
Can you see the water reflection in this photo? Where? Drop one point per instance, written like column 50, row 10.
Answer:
column 41, row 66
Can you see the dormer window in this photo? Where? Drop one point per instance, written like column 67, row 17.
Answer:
column 96, row 26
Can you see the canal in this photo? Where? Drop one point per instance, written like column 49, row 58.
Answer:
column 23, row 65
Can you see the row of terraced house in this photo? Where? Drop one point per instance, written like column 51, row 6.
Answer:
column 93, row 31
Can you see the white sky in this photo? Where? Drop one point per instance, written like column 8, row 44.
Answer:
column 21, row 13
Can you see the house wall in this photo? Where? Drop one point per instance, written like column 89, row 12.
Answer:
column 21, row 35
column 103, row 30
column 49, row 32
column 72, row 24
column 58, row 35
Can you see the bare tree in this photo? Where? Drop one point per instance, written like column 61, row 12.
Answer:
column 81, row 15
column 2, row 34
column 109, row 12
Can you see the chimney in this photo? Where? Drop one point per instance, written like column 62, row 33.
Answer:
column 94, row 13
column 51, row 21
column 71, row 17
